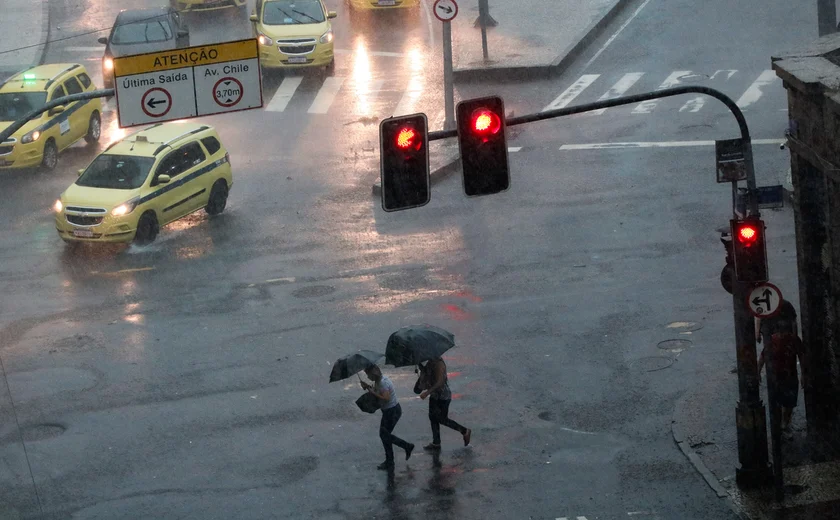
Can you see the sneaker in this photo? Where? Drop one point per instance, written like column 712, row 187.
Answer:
column 385, row 466
column 467, row 437
column 432, row 447
column 408, row 451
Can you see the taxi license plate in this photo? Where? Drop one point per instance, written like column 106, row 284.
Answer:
column 387, row 2
column 297, row 60
column 83, row 233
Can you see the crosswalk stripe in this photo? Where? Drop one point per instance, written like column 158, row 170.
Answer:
column 284, row 94
column 326, row 96
column 410, row 97
column 572, row 92
column 755, row 91
column 100, row 48
column 646, row 107
column 621, row 86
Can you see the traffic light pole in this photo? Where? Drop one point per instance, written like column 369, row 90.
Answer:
column 750, row 412
column 448, row 78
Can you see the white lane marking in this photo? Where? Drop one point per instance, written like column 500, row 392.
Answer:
column 755, row 91
column 621, row 86
column 410, row 97
column 577, row 431
column 428, row 14
column 284, row 94
column 374, row 53
column 728, row 76
column 614, row 36
column 655, row 144
column 646, row 107
column 514, row 149
column 326, row 96
column 572, row 92
column 100, row 48
column 693, row 104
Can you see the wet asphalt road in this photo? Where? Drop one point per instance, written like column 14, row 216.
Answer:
column 188, row 379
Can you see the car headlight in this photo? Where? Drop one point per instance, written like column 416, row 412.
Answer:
column 264, row 40
column 124, row 209
column 327, row 37
column 30, row 137
column 107, row 63
column 58, row 206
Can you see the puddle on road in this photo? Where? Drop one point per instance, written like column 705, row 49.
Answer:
column 675, row 345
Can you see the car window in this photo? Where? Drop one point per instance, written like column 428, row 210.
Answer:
column 212, row 144
column 156, row 30
column 120, row 172
column 57, row 93
column 73, row 87
column 84, row 79
column 14, row 105
column 288, row 12
column 181, row 160
column 193, row 155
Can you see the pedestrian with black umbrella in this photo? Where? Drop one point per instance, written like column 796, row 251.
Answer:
column 383, row 395
column 426, row 343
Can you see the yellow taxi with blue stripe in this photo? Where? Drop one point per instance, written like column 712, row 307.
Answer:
column 384, row 4
column 145, row 181
column 294, row 34
column 39, row 141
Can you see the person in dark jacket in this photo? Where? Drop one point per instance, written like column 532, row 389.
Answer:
column 383, row 389
column 434, row 384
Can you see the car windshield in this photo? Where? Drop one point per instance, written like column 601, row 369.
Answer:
column 119, row 172
column 14, row 105
column 288, row 12
column 153, row 30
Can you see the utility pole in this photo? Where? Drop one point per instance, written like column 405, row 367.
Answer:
column 827, row 16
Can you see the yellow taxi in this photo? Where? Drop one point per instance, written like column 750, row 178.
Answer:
column 39, row 141
column 145, row 181
column 205, row 5
column 294, row 33
column 384, row 4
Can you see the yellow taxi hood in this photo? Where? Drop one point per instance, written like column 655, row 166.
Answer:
column 88, row 197
column 29, row 126
column 298, row 30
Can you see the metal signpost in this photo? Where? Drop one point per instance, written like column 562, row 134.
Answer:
column 446, row 11
column 191, row 82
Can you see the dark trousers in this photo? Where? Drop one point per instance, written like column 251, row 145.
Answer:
column 439, row 414
column 390, row 418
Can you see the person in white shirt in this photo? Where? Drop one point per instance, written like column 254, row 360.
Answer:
column 383, row 388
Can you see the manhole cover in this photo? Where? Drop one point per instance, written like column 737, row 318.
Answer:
column 684, row 326
column 652, row 363
column 42, row 432
column 313, row 291
column 674, row 345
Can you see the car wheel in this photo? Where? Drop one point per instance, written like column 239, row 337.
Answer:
column 94, row 128
column 218, row 198
column 147, row 229
column 50, row 158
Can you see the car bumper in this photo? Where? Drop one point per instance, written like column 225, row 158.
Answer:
column 111, row 229
column 22, row 155
column 209, row 5
column 272, row 58
column 376, row 6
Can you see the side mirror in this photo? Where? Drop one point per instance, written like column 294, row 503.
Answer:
column 81, row 172
column 254, row 18
column 183, row 33
column 163, row 179
column 56, row 110
column 103, row 40
column 332, row 14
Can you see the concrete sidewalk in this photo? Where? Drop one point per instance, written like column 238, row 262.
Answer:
column 533, row 38
column 25, row 26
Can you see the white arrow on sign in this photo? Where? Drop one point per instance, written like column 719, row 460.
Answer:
column 445, row 10
column 765, row 300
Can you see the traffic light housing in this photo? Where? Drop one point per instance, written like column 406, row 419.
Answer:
column 483, row 144
column 749, row 250
column 404, row 162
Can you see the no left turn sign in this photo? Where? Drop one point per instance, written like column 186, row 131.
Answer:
column 765, row 301
column 445, row 10
column 156, row 102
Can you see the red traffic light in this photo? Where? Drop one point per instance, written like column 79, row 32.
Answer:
column 486, row 122
column 747, row 234
column 406, row 138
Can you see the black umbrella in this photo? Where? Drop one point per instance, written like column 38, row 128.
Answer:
column 353, row 364
column 417, row 343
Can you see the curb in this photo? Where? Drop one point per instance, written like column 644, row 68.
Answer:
column 557, row 66
column 435, row 177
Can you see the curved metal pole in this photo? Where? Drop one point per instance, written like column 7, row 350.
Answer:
column 84, row 96
column 752, row 201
